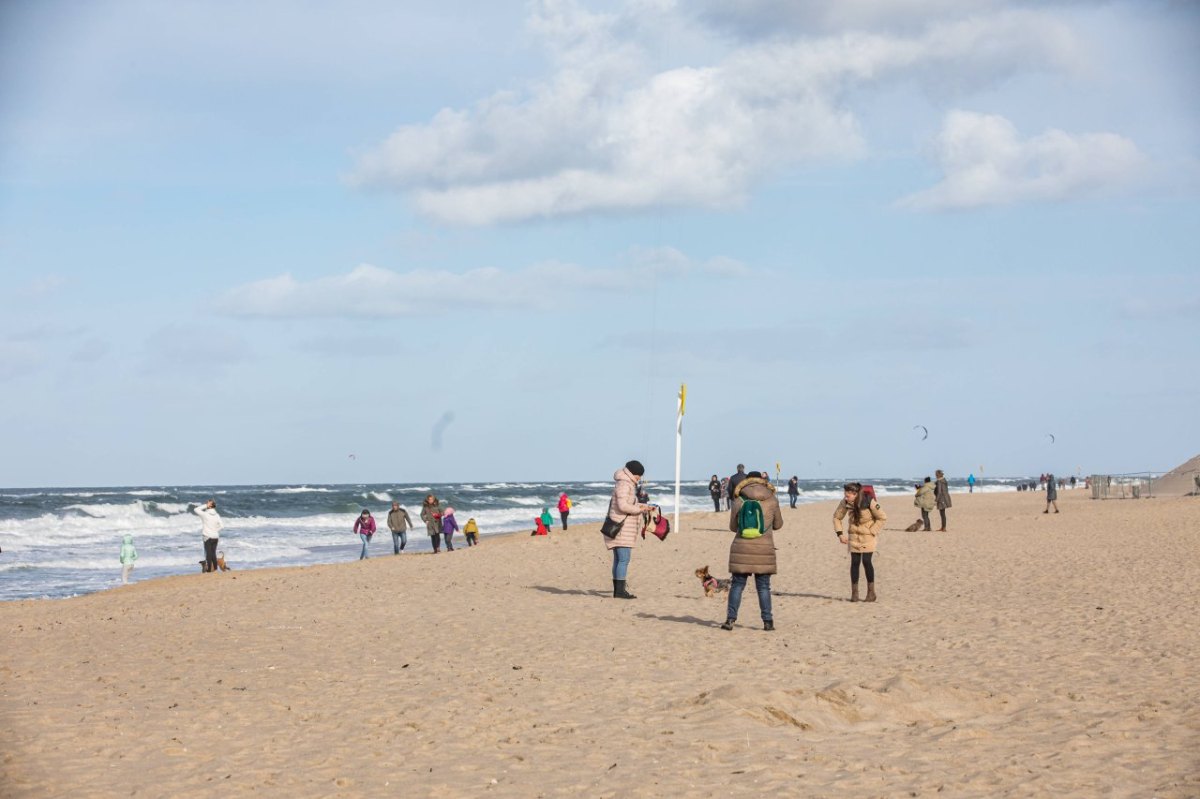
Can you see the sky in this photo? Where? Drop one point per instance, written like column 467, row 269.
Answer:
column 244, row 242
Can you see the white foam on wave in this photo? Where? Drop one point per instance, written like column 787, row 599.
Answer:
column 378, row 496
column 301, row 490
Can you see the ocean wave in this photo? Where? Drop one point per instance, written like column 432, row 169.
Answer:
column 300, row 490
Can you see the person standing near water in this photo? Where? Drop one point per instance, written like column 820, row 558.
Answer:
column 364, row 528
column 399, row 523
column 564, row 508
column 624, row 508
column 714, row 490
column 971, row 483
column 866, row 520
column 941, row 492
column 210, row 531
column 1051, row 494
column 793, row 490
column 431, row 514
column 128, row 557
column 926, row 500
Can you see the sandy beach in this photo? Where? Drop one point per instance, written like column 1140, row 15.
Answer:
column 1020, row 654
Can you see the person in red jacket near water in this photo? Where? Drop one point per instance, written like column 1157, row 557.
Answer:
column 364, row 528
column 564, row 508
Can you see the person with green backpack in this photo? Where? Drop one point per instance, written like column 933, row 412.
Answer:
column 755, row 515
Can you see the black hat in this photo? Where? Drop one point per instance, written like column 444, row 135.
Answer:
column 636, row 467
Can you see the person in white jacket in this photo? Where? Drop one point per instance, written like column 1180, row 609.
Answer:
column 210, row 529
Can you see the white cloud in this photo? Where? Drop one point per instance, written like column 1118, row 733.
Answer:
column 985, row 162
column 606, row 132
column 422, row 292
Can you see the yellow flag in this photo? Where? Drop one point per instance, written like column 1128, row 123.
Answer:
column 682, row 397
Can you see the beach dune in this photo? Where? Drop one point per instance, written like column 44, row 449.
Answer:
column 1020, row 654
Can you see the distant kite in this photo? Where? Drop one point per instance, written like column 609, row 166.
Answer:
column 922, row 428
column 353, row 457
column 1051, row 437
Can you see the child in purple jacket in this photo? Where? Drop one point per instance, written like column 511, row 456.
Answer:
column 449, row 527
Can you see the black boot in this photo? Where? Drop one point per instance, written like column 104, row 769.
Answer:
column 728, row 625
column 768, row 626
column 619, row 591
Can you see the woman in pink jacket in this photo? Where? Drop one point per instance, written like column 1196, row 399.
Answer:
column 625, row 509
column 364, row 528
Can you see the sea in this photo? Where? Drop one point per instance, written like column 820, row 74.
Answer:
column 62, row 542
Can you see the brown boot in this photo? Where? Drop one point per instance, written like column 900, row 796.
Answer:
column 870, row 592
column 853, row 592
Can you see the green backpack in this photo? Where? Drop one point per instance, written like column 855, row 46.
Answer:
column 750, row 519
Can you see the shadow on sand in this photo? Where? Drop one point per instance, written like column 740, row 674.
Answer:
column 810, row 596
column 550, row 589
column 680, row 619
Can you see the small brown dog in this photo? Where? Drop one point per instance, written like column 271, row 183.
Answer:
column 220, row 563
column 712, row 586
column 917, row 525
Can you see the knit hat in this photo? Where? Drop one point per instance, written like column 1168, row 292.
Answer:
column 636, row 467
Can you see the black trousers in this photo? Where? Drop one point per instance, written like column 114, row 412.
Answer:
column 716, row 502
column 564, row 514
column 210, row 554
column 925, row 518
column 942, row 513
column 865, row 559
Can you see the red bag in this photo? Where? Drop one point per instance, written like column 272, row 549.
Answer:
column 656, row 523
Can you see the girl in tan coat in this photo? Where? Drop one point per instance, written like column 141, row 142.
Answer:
column 865, row 525
column 623, row 507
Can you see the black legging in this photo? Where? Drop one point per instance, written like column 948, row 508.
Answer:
column 564, row 515
column 865, row 559
column 210, row 554
column 716, row 502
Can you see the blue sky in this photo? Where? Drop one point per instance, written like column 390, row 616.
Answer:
column 470, row 241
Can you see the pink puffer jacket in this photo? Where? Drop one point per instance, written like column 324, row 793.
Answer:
column 624, row 504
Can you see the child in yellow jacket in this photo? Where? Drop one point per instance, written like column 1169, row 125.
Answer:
column 471, row 531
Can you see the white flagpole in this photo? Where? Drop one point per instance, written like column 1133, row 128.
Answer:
column 679, row 446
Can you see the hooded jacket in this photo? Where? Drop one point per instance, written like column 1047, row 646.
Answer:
column 470, row 527
column 365, row 526
column 624, row 505
column 432, row 516
column 210, row 521
column 449, row 524
column 863, row 534
column 941, row 490
column 398, row 520
column 128, row 553
column 754, row 555
column 925, row 499
column 564, row 504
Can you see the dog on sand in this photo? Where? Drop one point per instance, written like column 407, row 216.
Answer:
column 712, row 586
column 220, row 563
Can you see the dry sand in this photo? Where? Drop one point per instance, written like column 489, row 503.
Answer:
column 1018, row 655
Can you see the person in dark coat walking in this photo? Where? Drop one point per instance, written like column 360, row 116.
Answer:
column 793, row 490
column 1051, row 494
column 714, row 490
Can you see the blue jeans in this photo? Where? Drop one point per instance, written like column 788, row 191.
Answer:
column 365, row 538
column 399, row 541
column 762, row 584
column 621, row 562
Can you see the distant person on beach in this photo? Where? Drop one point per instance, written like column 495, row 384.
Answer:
column 714, row 490
column 128, row 557
column 399, row 523
column 1051, row 494
column 941, row 491
column 793, row 490
column 971, row 483
column 725, row 492
column 431, row 514
column 210, row 531
column 1072, row 481
column 539, row 526
column 364, row 528
column 753, row 547
column 926, row 501
column 449, row 527
column 734, row 479
column 866, row 521
column 547, row 519
column 623, row 508
column 564, row 508
column 471, row 531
